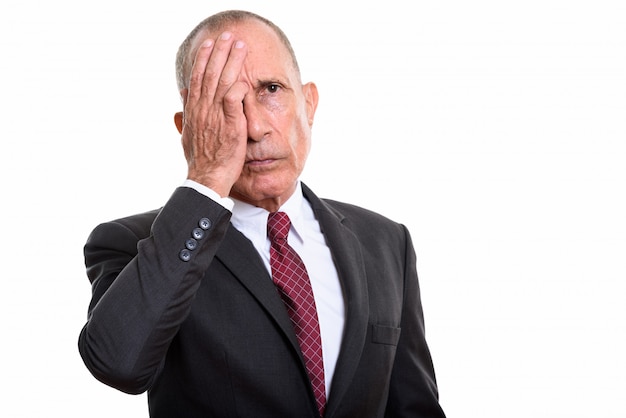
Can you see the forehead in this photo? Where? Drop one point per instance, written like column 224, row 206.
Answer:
column 261, row 40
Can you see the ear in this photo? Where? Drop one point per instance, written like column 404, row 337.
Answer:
column 178, row 117
column 178, row 120
column 311, row 98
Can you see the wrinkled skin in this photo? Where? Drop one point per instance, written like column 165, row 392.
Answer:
column 246, row 125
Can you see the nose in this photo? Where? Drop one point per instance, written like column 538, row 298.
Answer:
column 258, row 127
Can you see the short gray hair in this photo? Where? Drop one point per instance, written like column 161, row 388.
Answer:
column 218, row 22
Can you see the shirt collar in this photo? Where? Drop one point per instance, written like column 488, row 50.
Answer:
column 252, row 220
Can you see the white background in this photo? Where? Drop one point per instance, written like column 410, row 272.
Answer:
column 494, row 130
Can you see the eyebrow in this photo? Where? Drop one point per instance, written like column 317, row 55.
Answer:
column 267, row 81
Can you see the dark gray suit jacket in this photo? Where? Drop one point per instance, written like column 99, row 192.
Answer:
column 205, row 332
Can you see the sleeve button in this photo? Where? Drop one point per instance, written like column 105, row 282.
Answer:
column 197, row 233
column 185, row 255
column 205, row 223
column 191, row 244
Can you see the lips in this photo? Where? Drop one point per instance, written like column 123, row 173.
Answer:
column 259, row 161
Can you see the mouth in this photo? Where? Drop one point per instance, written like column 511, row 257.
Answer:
column 259, row 162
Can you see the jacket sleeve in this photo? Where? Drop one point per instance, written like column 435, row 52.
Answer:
column 413, row 389
column 144, row 277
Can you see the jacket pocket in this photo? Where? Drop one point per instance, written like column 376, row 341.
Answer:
column 385, row 335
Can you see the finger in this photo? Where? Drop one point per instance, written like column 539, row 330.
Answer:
column 213, row 66
column 231, row 70
column 232, row 102
column 198, row 69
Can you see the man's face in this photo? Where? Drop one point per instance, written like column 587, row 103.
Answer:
column 279, row 111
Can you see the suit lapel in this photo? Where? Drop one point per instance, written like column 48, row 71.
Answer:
column 346, row 252
column 239, row 255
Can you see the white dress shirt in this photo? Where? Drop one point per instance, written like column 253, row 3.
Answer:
column 306, row 238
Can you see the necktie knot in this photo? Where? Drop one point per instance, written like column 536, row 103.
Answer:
column 278, row 225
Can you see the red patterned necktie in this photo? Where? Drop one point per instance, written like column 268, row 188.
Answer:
column 291, row 279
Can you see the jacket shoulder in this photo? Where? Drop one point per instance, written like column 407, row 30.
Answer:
column 138, row 224
column 359, row 216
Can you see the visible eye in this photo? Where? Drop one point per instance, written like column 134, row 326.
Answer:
column 273, row 88
column 271, row 92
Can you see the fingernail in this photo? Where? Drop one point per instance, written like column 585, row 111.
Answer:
column 225, row 36
column 239, row 44
column 208, row 43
